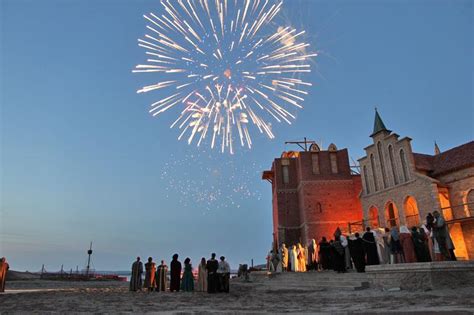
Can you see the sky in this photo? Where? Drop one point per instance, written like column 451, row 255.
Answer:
column 82, row 159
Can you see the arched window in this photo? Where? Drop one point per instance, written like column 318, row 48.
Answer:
column 412, row 217
column 391, row 214
column 374, row 173
column 382, row 164
column 404, row 166
column 373, row 218
column 392, row 164
column 366, row 181
column 315, row 162
column 470, row 202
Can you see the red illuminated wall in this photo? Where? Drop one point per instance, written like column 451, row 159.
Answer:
column 313, row 205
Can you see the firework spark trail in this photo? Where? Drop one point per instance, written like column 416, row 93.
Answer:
column 226, row 66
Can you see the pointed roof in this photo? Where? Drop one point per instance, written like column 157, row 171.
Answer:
column 378, row 124
column 436, row 149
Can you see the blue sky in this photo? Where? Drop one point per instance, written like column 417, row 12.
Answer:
column 83, row 160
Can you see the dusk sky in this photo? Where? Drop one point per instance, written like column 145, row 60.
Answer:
column 82, row 159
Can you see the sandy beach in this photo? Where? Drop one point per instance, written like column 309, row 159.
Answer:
column 41, row 296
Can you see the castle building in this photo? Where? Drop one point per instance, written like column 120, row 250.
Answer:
column 400, row 187
column 314, row 193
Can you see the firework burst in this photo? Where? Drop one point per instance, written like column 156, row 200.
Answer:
column 225, row 66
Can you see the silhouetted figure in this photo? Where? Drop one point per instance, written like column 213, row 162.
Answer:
column 175, row 274
column 136, row 277
column 357, row 253
column 370, row 247
column 419, row 241
column 338, row 255
column 187, row 282
column 162, row 277
column 212, row 279
column 324, row 254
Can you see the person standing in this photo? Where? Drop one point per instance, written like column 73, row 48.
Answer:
column 175, row 274
column 441, row 235
column 294, row 259
column 212, row 280
column 150, row 273
column 4, row 266
column 312, row 255
column 357, row 252
column 419, row 241
column 301, row 258
column 202, row 276
column 284, row 257
column 428, row 241
column 136, row 277
column 324, row 254
column 395, row 246
column 338, row 257
column 224, row 275
column 385, row 247
column 370, row 247
column 407, row 245
column 162, row 277
column 347, row 253
column 187, row 282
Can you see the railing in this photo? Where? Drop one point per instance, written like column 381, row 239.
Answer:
column 452, row 214
column 459, row 213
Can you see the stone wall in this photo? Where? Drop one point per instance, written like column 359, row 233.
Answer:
column 422, row 276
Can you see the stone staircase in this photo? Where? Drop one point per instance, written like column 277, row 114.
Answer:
column 310, row 281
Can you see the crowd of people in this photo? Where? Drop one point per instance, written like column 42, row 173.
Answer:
column 212, row 275
column 429, row 242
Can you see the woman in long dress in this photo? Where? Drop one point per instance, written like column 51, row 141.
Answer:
column 202, row 276
column 150, row 273
column 301, row 258
column 406, row 241
column 294, row 259
column 187, row 282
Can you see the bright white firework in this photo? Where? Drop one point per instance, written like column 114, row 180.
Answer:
column 225, row 66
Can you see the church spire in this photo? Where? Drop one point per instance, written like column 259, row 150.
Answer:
column 378, row 124
column 436, row 149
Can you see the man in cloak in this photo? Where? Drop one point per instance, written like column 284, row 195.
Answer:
column 212, row 277
column 419, row 241
column 162, row 277
column 312, row 255
column 441, row 235
column 324, row 254
column 357, row 252
column 223, row 271
column 136, row 277
column 175, row 278
column 284, row 257
column 370, row 247
column 150, row 273
column 4, row 266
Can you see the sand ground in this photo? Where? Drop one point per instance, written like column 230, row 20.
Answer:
column 40, row 296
